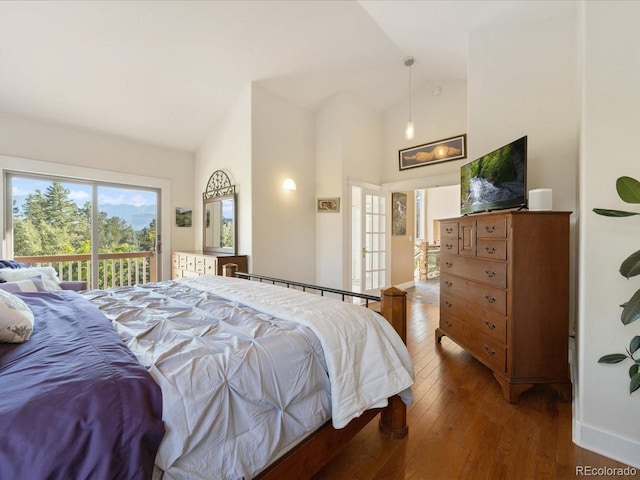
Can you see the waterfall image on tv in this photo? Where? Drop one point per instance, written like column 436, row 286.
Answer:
column 496, row 180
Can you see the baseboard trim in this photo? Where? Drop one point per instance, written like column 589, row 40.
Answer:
column 623, row 450
column 406, row 285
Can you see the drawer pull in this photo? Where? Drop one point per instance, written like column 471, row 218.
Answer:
column 448, row 323
column 490, row 351
column 490, row 326
column 448, row 246
column 490, row 273
column 489, row 299
column 448, row 303
column 490, row 229
column 449, row 229
column 448, row 264
column 447, row 283
column 489, row 249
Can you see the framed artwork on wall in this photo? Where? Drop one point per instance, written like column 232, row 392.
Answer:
column 183, row 217
column 399, row 213
column 328, row 205
column 445, row 150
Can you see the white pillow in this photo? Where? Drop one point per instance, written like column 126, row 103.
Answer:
column 16, row 319
column 49, row 275
column 33, row 284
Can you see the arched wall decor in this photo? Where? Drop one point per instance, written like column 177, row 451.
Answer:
column 219, row 215
column 219, row 184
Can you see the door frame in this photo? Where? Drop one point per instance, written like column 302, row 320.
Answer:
column 387, row 194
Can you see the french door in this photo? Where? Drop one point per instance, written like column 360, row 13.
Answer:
column 369, row 239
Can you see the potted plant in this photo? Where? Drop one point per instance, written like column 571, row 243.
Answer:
column 629, row 191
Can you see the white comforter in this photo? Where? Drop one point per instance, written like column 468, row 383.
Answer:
column 366, row 359
column 243, row 367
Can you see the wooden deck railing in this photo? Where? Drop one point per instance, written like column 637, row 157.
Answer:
column 115, row 269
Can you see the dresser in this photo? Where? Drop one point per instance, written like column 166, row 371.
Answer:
column 504, row 295
column 193, row 264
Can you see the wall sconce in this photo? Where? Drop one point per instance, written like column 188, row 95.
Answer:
column 288, row 184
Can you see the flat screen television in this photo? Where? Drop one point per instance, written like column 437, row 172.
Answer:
column 495, row 181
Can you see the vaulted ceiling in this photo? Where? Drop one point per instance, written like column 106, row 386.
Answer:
column 164, row 72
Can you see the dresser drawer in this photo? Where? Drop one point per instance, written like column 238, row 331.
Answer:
column 449, row 230
column 490, row 298
column 492, row 227
column 489, row 248
column 488, row 351
column 191, row 263
column 476, row 319
column 449, row 245
column 492, row 354
column 211, row 266
column 484, row 271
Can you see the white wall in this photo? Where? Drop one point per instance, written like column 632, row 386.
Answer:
column 441, row 202
column 348, row 142
column 228, row 148
column 606, row 415
column 69, row 150
column 330, row 232
column 283, row 146
column 523, row 81
column 435, row 118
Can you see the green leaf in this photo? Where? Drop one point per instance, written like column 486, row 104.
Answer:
column 629, row 189
column 635, row 368
column 631, row 310
column 613, row 213
column 635, row 383
column 613, row 358
column 631, row 266
column 634, row 345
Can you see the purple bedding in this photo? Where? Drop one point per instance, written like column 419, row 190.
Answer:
column 74, row 401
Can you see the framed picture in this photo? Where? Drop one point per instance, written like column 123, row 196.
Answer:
column 183, row 217
column 444, row 150
column 399, row 213
column 328, row 205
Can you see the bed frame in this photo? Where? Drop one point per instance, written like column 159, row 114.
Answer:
column 310, row 455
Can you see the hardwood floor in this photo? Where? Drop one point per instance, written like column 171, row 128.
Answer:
column 461, row 428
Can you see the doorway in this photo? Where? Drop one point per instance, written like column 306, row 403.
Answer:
column 369, row 239
column 432, row 205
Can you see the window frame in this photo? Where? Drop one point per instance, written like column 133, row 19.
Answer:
column 70, row 173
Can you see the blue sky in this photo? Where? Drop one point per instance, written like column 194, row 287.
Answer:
column 81, row 193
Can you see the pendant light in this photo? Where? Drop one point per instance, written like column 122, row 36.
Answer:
column 409, row 132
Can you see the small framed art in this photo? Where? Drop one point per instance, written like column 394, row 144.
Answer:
column 331, row 205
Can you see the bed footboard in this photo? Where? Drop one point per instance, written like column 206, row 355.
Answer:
column 316, row 450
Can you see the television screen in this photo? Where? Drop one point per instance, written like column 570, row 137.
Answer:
column 495, row 181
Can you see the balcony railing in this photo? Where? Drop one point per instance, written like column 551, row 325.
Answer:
column 114, row 269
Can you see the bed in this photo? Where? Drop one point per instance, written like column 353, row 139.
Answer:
column 292, row 413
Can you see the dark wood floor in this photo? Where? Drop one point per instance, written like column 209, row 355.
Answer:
column 461, row 428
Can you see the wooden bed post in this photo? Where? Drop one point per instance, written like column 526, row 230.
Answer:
column 393, row 419
column 229, row 270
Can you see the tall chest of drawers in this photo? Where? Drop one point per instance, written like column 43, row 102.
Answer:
column 504, row 295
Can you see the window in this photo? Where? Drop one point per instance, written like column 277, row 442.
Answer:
column 74, row 225
column 420, row 214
